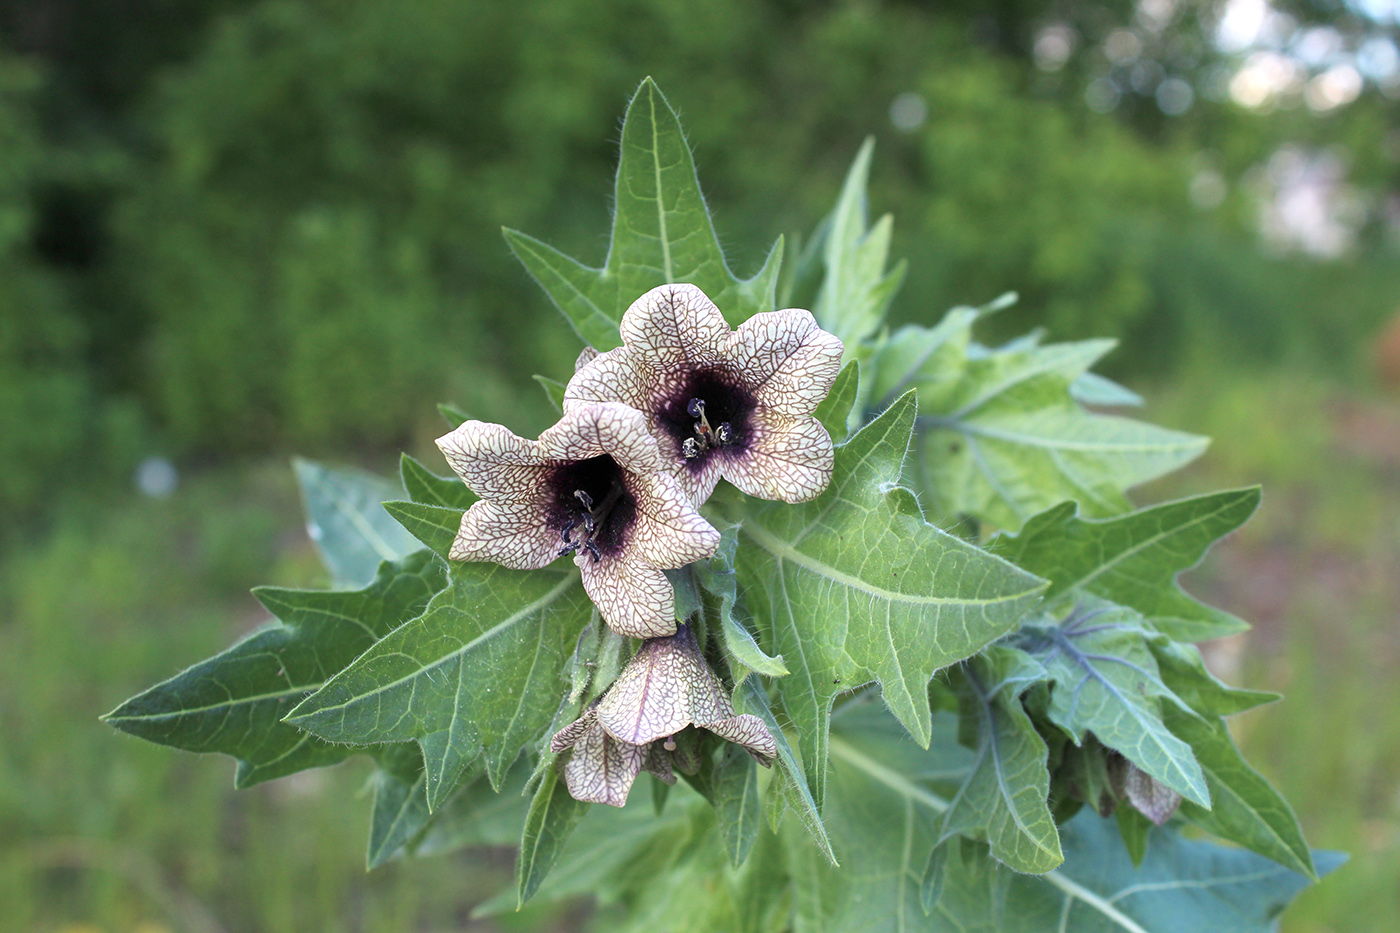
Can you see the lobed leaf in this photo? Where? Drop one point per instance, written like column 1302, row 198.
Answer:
column 344, row 519
column 1106, row 682
column 884, row 790
column 855, row 586
column 1002, row 801
column 234, row 702
column 426, row 487
column 1133, row 560
column 550, row 821
column 1001, row 435
column 856, row 291
column 1245, row 808
column 661, row 234
column 480, row 671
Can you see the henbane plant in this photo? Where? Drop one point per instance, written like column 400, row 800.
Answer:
column 871, row 608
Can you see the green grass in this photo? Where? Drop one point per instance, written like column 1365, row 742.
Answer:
column 100, row 831
column 1318, row 573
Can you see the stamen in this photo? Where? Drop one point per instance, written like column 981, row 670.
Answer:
column 592, row 517
column 705, row 436
column 670, row 743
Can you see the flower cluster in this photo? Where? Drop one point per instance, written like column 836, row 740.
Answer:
column 648, row 430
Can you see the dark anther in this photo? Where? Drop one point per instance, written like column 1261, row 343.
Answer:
column 593, row 507
column 705, row 436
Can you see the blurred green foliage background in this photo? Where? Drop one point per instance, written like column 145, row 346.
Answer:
column 234, row 230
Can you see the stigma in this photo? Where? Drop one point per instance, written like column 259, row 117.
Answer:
column 704, row 437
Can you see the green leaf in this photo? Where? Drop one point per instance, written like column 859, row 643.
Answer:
column 344, row 519
column 1184, row 671
column 453, row 415
column 425, row 486
column 1106, row 682
column 661, row 234
column 1093, row 389
column 856, row 291
column 400, row 810
column 1245, row 809
column 1133, row 829
column 553, row 390
column 716, row 576
column 551, row 820
column 750, row 697
column 482, row 667
column 435, row 525
column 835, row 410
column 477, row 815
column 1133, row 560
column 1006, row 439
column 1003, row 799
column 615, row 850
column 730, row 784
column 884, row 806
column 234, row 702
column 855, row 586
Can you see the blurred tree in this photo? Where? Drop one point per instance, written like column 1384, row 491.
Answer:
column 276, row 223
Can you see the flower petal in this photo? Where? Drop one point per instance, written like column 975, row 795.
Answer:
column 493, row 461
column 658, row 762
column 598, row 428
column 513, row 536
column 602, row 769
column 585, row 356
column 749, row 731
column 787, row 458
column 569, row 736
column 651, row 698
column 789, row 360
column 634, row 598
column 611, row 377
column 674, row 326
column 669, row 532
column 698, row 483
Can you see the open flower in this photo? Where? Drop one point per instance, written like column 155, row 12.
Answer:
column 736, row 404
column 665, row 688
column 591, row 486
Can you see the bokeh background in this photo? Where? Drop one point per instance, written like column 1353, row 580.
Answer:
column 234, row 230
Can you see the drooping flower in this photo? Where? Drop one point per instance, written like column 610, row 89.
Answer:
column 591, row 486
column 665, row 688
column 736, row 404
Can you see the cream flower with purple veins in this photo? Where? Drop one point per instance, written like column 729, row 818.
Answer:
column 591, row 486
column 736, row 404
column 665, row 688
